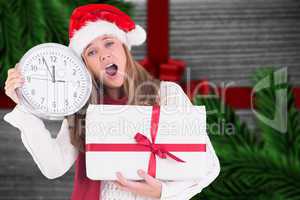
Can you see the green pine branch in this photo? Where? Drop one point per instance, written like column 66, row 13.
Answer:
column 32, row 27
column 283, row 144
column 256, row 166
column 10, row 48
column 127, row 7
column 225, row 128
column 56, row 21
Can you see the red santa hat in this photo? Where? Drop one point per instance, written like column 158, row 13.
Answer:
column 91, row 21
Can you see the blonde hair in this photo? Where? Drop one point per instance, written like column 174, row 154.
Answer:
column 139, row 86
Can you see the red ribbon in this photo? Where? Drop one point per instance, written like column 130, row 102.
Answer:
column 144, row 144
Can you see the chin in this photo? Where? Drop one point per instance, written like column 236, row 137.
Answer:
column 114, row 83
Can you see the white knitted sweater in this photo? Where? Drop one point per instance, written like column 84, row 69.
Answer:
column 55, row 156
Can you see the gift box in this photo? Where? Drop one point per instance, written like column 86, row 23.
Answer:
column 168, row 142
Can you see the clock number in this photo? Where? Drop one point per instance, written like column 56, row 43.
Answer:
column 33, row 68
column 74, row 72
column 54, row 104
column 43, row 61
column 66, row 102
column 75, row 94
column 53, row 58
column 42, row 100
column 65, row 62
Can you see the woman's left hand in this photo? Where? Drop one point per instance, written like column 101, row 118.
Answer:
column 150, row 187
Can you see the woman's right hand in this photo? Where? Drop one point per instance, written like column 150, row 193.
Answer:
column 14, row 80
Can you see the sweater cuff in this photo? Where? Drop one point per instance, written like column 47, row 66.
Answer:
column 19, row 116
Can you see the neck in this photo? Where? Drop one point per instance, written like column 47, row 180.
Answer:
column 115, row 93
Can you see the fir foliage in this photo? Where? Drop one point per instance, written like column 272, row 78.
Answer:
column 255, row 166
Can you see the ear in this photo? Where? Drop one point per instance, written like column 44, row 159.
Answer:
column 83, row 59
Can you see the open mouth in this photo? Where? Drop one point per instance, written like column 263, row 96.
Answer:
column 111, row 69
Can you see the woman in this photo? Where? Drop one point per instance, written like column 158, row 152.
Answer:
column 103, row 35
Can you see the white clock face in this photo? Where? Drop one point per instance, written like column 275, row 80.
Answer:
column 56, row 81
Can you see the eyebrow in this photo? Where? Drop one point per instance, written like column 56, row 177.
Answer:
column 88, row 46
column 106, row 37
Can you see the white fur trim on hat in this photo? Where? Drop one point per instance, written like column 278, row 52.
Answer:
column 82, row 37
column 136, row 36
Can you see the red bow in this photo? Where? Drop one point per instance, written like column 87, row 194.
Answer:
column 156, row 149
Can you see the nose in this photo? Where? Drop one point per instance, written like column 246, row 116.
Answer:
column 104, row 57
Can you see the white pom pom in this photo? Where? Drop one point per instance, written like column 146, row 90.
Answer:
column 137, row 36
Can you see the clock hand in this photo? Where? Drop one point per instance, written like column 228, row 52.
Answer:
column 54, row 79
column 53, row 73
column 48, row 69
column 45, row 79
column 38, row 78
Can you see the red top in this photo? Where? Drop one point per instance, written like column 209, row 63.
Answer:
column 84, row 188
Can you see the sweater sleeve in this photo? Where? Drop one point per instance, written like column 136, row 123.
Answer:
column 53, row 156
column 172, row 93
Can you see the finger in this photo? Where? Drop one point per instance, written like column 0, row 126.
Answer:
column 149, row 179
column 11, row 83
column 13, row 75
column 10, row 70
column 121, row 179
column 13, row 71
column 12, row 94
column 121, row 187
column 126, row 183
column 10, row 89
column 136, row 187
column 15, row 78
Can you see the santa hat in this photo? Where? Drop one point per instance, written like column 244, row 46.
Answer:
column 91, row 21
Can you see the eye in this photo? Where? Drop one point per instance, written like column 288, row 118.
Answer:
column 109, row 44
column 91, row 52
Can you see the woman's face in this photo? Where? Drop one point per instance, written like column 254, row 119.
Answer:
column 105, row 57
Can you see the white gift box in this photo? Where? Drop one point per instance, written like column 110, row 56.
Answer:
column 111, row 145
